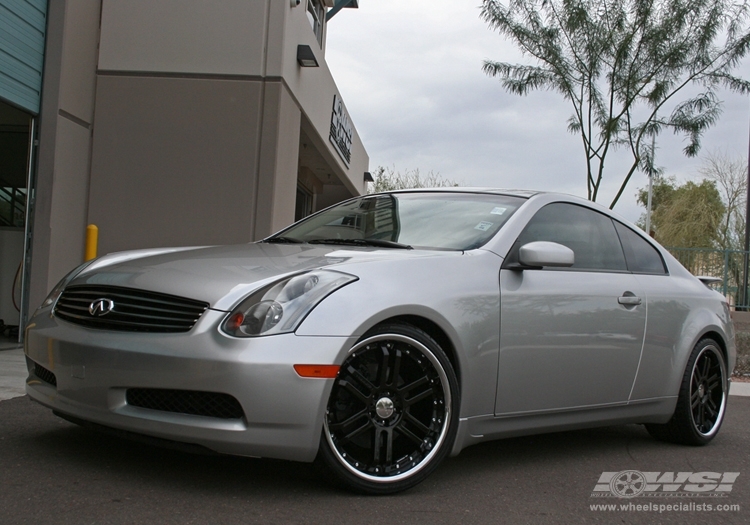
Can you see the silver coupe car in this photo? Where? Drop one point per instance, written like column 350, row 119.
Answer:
column 384, row 333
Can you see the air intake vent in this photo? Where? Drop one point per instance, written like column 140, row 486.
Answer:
column 210, row 404
column 44, row 374
column 127, row 309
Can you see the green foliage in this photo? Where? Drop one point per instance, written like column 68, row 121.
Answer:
column 686, row 216
column 388, row 179
column 689, row 216
column 621, row 65
column 663, row 189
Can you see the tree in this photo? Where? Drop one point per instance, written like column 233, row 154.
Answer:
column 686, row 216
column 387, row 179
column 730, row 177
column 662, row 192
column 622, row 65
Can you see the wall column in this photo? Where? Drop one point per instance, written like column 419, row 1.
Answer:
column 278, row 161
column 64, row 153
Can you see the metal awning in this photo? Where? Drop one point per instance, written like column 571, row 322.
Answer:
column 338, row 5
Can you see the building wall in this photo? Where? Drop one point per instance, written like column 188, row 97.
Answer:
column 208, row 45
column 175, row 161
column 176, row 122
column 313, row 89
column 279, row 154
column 225, row 37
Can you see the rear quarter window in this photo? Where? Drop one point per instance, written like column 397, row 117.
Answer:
column 640, row 255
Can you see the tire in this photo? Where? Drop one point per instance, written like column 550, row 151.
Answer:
column 392, row 415
column 702, row 400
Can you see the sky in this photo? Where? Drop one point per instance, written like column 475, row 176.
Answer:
column 410, row 74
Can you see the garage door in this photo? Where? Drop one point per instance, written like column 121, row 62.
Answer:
column 22, row 29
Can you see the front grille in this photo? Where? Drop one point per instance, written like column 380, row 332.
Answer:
column 210, row 404
column 44, row 374
column 128, row 309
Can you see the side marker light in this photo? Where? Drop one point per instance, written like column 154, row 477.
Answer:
column 317, row 371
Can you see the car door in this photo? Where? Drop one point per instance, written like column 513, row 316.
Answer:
column 668, row 311
column 569, row 337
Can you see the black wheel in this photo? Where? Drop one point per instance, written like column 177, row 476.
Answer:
column 702, row 399
column 393, row 411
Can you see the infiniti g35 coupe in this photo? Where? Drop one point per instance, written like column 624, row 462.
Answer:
column 387, row 332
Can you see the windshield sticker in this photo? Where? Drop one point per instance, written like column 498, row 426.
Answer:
column 483, row 226
column 498, row 211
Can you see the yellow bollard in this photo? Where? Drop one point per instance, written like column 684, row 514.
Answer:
column 92, row 241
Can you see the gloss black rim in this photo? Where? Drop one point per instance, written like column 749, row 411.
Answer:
column 389, row 409
column 707, row 390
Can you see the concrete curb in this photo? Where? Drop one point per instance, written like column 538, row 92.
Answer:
column 739, row 389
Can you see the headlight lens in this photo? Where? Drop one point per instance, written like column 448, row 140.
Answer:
column 280, row 307
column 58, row 289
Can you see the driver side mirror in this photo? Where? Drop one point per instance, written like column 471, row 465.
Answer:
column 539, row 254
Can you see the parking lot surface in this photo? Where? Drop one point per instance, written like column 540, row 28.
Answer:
column 57, row 473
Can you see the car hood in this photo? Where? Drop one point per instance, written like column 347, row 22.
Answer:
column 224, row 275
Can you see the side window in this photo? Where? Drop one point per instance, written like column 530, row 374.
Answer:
column 591, row 236
column 641, row 256
column 316, row 14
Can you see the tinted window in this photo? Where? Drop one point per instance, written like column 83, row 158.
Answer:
column 442, row 220
column 641, row 256
column 590, row 235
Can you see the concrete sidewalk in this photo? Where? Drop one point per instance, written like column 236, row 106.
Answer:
column 13, row 374
column 12, row 371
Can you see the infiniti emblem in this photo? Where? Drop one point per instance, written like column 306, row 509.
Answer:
column 101, row 307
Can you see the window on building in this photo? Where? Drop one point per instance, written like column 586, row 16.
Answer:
column 316, row 13
column 303, row 206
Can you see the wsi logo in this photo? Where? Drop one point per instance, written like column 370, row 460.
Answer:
column 634, row 483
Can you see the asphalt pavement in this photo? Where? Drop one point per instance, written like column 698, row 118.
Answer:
column 57, row 473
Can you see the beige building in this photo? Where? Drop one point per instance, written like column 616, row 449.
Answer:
column 181, row 122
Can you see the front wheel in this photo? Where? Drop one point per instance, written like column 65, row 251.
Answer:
column 702, row 399
column 393, row 411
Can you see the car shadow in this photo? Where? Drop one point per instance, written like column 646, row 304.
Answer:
column 84, row 449
column 82, row 452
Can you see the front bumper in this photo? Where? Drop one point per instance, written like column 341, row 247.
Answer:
column 93, row 369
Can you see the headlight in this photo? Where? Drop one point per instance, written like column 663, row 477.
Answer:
column 58, row 289
column 281, row 306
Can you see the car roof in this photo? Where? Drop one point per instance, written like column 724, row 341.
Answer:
column 519, row 193
column 466, row 189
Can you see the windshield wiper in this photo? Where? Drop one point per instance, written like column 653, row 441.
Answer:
column 283, row 240
column 380, row 243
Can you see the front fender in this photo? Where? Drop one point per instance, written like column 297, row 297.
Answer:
column 461, row 298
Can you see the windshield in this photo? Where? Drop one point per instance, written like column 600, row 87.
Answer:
column 452, row 221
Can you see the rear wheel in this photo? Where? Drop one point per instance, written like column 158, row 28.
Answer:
column 393, row 411
column 702, row 399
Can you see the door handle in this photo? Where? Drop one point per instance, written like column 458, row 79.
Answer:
column 629, row 300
